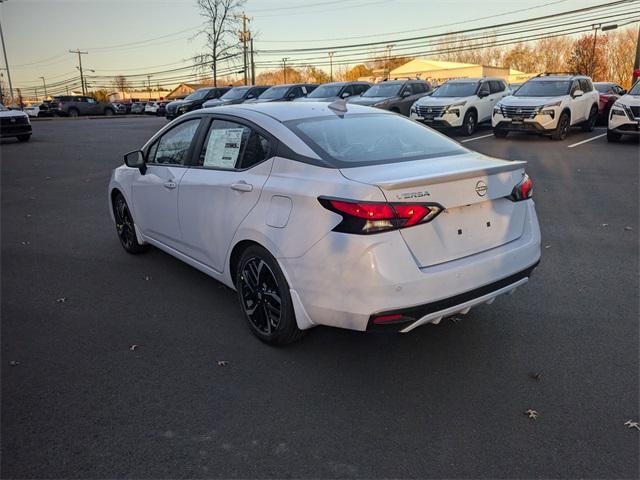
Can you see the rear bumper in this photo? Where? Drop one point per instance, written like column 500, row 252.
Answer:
column 345, row 280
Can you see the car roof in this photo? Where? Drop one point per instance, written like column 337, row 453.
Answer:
column 285, row 111
column 556, row 77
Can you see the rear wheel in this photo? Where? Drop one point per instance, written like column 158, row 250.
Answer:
column 590, row 124
column 499, row 133
column 24, row 138
column 562, row 129
column 470, row 123
column 613, row 136
column 73, row 112
column 125, row 227
column 108, row 112
column 264, row 298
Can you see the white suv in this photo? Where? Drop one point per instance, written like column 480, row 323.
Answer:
column 624, row 118
column 548, row 104
column 460, row 103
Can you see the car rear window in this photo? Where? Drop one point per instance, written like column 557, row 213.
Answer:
column 371, row 139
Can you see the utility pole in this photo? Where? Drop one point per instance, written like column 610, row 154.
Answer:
column 6, row 60
column 636, row 65
column 79, row 53
column 253, row 65
column 149, row 87
column 45, row 87
column 331, row 66
column 388, row 60
column 284, row 69
column 245, row 36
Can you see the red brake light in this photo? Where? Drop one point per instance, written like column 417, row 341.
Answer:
column 523, row 190
column 373, row 217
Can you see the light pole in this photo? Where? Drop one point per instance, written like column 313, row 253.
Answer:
column 284, row 69
column 331, row 66
column 388, row 60
column 595, row 36
column 6, row 60
column 45, row 87
column 149, row 83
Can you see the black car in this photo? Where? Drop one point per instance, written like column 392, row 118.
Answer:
column 162, row 109
column 394, row 95
column 285, row 93
column 194, row 101
column 237, row 95
column 328, row 92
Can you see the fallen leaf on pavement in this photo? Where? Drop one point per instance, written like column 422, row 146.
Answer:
column 547, row 246
column 532, row 414
column 133, row 347
column 628, row 228
column 14, row 363
column 61, row 300
column 536, row 375
column 25, row 243
column 222, row 363
column 454, row 319
column 604, row 225
column 147, row 277
column 630, row 424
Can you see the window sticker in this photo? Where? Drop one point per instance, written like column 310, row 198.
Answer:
column 223, row 147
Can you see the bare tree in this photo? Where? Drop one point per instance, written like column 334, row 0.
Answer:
column 121, row 84
column 220, row 31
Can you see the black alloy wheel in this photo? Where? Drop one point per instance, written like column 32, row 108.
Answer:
column 469, row 125
column 125, row 226
column 561, row 131
column 590, row 124
column 264, row 297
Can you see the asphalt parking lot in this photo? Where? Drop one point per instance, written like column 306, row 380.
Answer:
column 443, row 401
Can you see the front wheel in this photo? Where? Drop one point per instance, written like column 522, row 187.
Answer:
column 125, row 227
column 499, row 133
column 590, row 124
column 562, row 129
column 264, row 297
column 24, row 138
column 469, row 124
column 613, row 136
column 73, row 112
column 108, row 112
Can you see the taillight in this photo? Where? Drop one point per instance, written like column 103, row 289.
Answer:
column 523, row 190
column 373, row 217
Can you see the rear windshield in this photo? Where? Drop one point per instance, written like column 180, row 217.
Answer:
column 457, row 89
column 371, row 139
column 544, row 88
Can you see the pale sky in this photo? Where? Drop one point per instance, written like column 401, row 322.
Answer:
column 121, row 36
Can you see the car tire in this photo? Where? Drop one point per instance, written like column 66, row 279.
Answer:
column 590, row 124
column 470, row 123
column 613, row 137
column 263, row 293
column 562, row 129
column 125, row 226
column 73, row 112
column 500, row 133
column 108, row 112
column 24, row 138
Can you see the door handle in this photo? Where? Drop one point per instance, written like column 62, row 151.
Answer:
column 242, row 186
column 170, row 184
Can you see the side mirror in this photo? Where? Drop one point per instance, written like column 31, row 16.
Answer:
column 135, row 159
column 345, row 95
column 577, row 93
column 406, row 93
column 623, row 92
column 483, row 93
column 291, row 95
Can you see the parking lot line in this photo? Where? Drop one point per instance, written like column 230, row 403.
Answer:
column 476, row 138
column 587, row 140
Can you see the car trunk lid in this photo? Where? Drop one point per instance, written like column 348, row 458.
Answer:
column 471, row 188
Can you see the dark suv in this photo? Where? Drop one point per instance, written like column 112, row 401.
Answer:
column 284, row 93
column 237, row 95
column 194, row 101
column 74, row 106
column 394, row 95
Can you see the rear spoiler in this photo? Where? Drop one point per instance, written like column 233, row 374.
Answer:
column 407, row 182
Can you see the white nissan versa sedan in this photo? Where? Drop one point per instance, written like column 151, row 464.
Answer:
column 329, row 214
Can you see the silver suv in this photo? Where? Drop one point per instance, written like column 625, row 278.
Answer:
column 76, row 105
